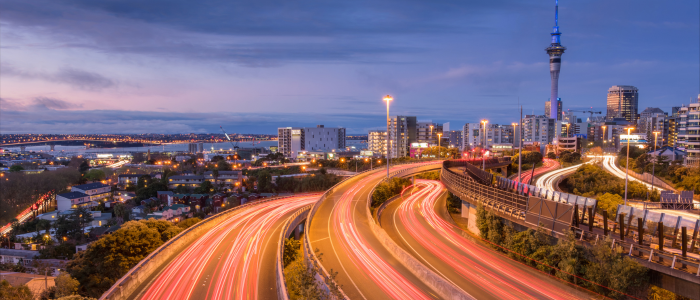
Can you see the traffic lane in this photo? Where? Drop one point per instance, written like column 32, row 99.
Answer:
column 354, row 281
column 138, row 293
column 467, row 268
column 225, row 262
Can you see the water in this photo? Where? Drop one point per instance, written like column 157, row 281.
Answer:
column 166, row 148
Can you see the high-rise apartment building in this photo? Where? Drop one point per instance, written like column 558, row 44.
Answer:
column 376, row 142
column 427, row 132
column 623, row 102
column 651, row 120
column 402, row 132
column 454, row 138
column 538, row 129
column 688, row 126
column 672, row 131
column 291, row 140
column 472, row 135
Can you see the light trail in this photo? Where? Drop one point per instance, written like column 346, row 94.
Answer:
column 225, row 262
column 361, row 254
column 548, row 166
column 547, row 180
column 481, row 268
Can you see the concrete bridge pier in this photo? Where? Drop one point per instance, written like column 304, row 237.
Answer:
column 52, row 147
column 504, row 171
column 299, row 230
column 23, row 148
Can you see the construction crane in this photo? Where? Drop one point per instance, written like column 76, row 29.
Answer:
column 235, row 146
column 587, row 111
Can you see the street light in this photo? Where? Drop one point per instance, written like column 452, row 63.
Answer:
column 627, row 163
column 604, row 133
column 483, row 158
column 431, row 132
column 439, row 138
column 388, row 99
column 520, row 149
column 653, row 166
column 567, row 129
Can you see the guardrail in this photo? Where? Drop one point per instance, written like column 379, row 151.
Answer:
column 127, row 284
column 440, row 285
column 288, row 228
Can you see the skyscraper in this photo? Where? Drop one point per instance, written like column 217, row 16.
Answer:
column 623, row 103
column 548, row 109
column 555, row 50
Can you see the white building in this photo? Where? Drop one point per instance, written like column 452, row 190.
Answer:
column 83, row 195
column 402, row 132
column 376, row 142
column 96, row 190
column 538, row 129
column 688, row 127
column 292, row 140
column 472, row 135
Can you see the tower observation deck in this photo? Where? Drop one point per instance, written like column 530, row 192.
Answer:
column 555, row 50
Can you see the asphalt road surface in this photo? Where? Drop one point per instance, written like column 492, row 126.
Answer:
column 418, row 223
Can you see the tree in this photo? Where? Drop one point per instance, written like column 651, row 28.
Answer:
column 609, row 202
column 291, row 249
column 8, row 292
column 95, row 175
column 84, row 166
column 265, row 182
column 205, row 188
column 551, row 155
column 598, row 151
column 66, row 285
column 16, row 168
column 388, row 189
column 121, row 212
column 608, row 268
column 109, row 258
column 188, row 223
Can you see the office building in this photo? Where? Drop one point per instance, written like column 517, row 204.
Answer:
column 672, row 131
column 648, row 123
column 555, row 50
column 454, row 138
column 547, row 109
column 623, row 102
column 192, row 148
column 376, row 142
column 292, row 140
column 402, row 132
column 688, row 127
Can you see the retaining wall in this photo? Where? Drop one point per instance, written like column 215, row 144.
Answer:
column 288, row 228
column 441, row 286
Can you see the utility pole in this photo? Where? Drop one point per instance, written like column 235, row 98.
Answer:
column 520, row 146
column 627, row 163
column 388, row 150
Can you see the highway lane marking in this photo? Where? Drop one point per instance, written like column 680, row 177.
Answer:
column 328, row 237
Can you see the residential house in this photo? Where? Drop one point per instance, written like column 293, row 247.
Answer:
column 70, row 200
column 189, row 181
column 165, row 197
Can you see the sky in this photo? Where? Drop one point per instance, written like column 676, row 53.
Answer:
column 175, row 66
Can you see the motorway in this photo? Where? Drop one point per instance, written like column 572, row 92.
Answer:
column 418, row 224
column 609, row 165
column 236, row 259
column 547, row 180
column 548, row 166
column 366, row 270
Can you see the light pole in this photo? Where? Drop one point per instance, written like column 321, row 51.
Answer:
column 520, row 150
column 653, row 166
column 627, row 162
column 483, row 156
column 431, row 132
column 567, row 130
column 604, row 141
column 388, row 99
column 439, row 137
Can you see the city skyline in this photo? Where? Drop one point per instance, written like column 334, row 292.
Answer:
column 124, row 68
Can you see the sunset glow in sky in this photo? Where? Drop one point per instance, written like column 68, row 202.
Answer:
column 175, row 66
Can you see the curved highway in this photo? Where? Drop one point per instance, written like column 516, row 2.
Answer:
column 418, row 224
column 548, row 166
column 236, row 259
column 366, row 270
column 547, row 180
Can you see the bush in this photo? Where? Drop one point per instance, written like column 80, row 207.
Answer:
column 187, row 223
column 388, row 189
column 609, row 202
column 550, row 155
column 592, row 181
column 9, row 292
column 454, row 203
column 434, row 175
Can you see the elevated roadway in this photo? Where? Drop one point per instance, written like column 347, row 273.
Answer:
column 547, row 166
column 366, row 269
column 236, row 259
column 419, row 224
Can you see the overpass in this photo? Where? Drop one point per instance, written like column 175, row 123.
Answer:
column 529, row 206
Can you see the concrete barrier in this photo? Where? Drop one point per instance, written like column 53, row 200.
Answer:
column 127, row 285
column 288, row 228
column 440, row 285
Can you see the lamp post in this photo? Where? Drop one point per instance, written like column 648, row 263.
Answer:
column 567, row 129
column 627, row 162
column 653, row 166
column 520, row 146
column 388, row 99
column 431, row 132
column 604, row 134
column 483, row 157
column 439, row 138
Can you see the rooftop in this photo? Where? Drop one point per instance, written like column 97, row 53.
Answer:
column 90, row 186
column 73, row 195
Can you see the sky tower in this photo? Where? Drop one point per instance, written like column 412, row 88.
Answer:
column 555, row 50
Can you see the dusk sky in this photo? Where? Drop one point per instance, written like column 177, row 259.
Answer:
column 175, row 66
